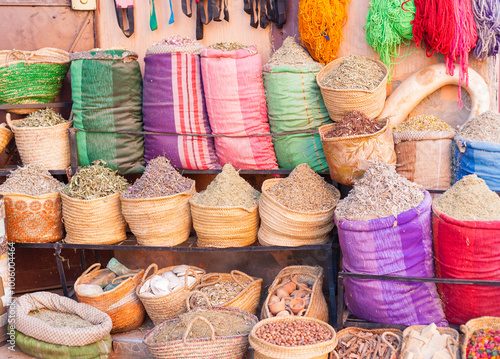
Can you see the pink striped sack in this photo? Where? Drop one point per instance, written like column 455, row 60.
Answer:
column 236, row 106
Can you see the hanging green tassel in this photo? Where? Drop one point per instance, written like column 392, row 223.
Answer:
column 153, row 24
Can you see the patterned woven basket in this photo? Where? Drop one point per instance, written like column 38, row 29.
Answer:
column 121, row 303
column 31, row 76
column 442, row 330
column 346, row 333
column 492, row 323
column 5, row 136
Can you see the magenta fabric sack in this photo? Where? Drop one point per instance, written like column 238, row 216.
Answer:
column 399, row 246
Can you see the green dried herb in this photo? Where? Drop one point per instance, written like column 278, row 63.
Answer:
column 42, row 118
column 32, row 180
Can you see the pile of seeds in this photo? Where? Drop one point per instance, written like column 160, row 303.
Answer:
column 355, row 73
column 227, row 46
column 218, row 293
column 159, row 179
column 483, row 128
column 32, row 180
column 470, row 199
column 42, row 118
column 423, row 123
column 381, row 192
column 59, row 319
column 178, row 41
column 293, row 333
column 95, row 181
column 291, row 53
column 228, row 189
column 354, row 123
column 304, row 190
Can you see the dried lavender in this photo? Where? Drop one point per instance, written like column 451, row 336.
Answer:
column 483, row 128
column 42, row 118
column 32, row 179
column 354, row 123
column 159, row 179
column 291, row 53
column 227, row 46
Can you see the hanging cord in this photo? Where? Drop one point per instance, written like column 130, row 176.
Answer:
column 487, row 18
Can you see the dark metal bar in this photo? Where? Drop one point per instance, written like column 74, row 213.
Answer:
column 340, row 303
column 60, row 268
column 330, row 272
column 83, row 262
column 97, row 255
column 36, row 105
column 73, row 151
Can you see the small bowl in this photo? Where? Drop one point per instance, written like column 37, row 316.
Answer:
column 297, row 304
column 277, row 307
column 289, row 287
column 273, row 299
column 281, row 293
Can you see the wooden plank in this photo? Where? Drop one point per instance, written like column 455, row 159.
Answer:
column 35, row 2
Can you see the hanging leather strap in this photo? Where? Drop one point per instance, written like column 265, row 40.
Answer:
column 187, row 11
column 264, row 9
column 128, row 6
column 281, row 13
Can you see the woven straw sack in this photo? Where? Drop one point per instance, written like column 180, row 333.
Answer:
column 265, row 350
column 48, row 146
column 224, row 227
column 229, row 347
column 282, row 226
column 340, row 101
column 317, row 308
column 41, row 330
column 162, row 308
column 161, row 221
column 5, row 136
column 121, row 303
column 453, row 348
column 492, row 323
column 33, row 219
column 95, row 221
column 248, row 299
column 347, row 333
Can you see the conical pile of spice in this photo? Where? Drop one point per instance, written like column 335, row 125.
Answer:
column 42, row 118
column 381, row 192
column 423, row 123
column 482, row 128
column 160, row 179
column 470, row 199
column 304, row 190
column 354, row 123
column 32, row 180
column 228, row 189
column 291, row 53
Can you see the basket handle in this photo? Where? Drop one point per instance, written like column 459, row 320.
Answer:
column 190, row 295
column 296, row 281
column 123, row 277
column 145, row 275
column 244, row 275
column 448, row 346
column 193, row 272
column 207, row 276
column 190, row 325
column 335, row 353
column 464, row 329
column 8, row 120
column 92, row 268
column 15, row 53
column 383, row 336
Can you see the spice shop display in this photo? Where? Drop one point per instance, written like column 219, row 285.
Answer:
column 373, row 344
column 481, row 338
column 429, row 342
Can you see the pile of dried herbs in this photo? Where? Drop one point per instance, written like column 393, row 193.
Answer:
column 95, row 181
column 32, row 180
column 291, row 53
column 354, row 123
column 228, row 189
column 178, row 41
column 42, row 118
column 160, row 179
column 381, row 192
column 227, row 46
column 423, row 123
column 482, row 128
column 59, row 319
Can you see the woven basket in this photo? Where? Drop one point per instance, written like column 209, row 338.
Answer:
column 160, row 221
column 340, row 101
column 95, row 221
column 248, row 299
column 48, row 146
column 281, row 226
column 31, row 76
column 317, row 306
column 265, row 350
column 5, row 136
column 492, row 323
column 121, row 303
column 33, row 219
column 229, row 347
column 347, row 332
column 162, row 308
column 449, row 331
column 224, row 227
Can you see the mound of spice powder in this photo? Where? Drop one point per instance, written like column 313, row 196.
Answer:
column 227, row 46
column 228, row 189
column 159, row 179
column 470, row 199
column 304, row 190
column 482, row 128
column 423, row 123
column 32, row 180
column 354, row 123
column 291, row 53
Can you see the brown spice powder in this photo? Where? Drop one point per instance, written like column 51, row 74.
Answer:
column 354, row 123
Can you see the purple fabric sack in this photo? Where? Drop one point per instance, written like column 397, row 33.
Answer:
column 383, row 247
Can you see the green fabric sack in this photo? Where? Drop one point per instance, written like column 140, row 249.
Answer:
column 294, row 103
column 107, row 97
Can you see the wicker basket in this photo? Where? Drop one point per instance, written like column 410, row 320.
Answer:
column 281, row 226
column 340, row 101
column 48, row 146
column 317, row 307
column 120, row 303
column 224, row 227
column 162, row 308
column 265, row 350
column 248, row 299
column 160, row 221
column 230, row 347
column 5, row 136
column 348, row 332
column 492, row 323
column 95, row 221
column 33, row 219
column 449, row 331
column 31, row 76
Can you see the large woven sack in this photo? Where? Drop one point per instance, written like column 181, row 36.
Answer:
column 107, row 97
column 347, row 156
column 174, row 102
column 121, row 303
column 452, row 348
column 41, row 330
column 314, row 275
column 281, row 226
column 340, row 101
column 5, row 136
column 236, row 106
column 425, row 157
column 228, row 347
column 295, row 103
column 266, row 350
column 95, row 221
column 399, row 246
column 224, row 227
column 467, row 250
column 33, row 219
column 346, row 335
column 161, row 221
column 491, row 323
column 48, row 146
